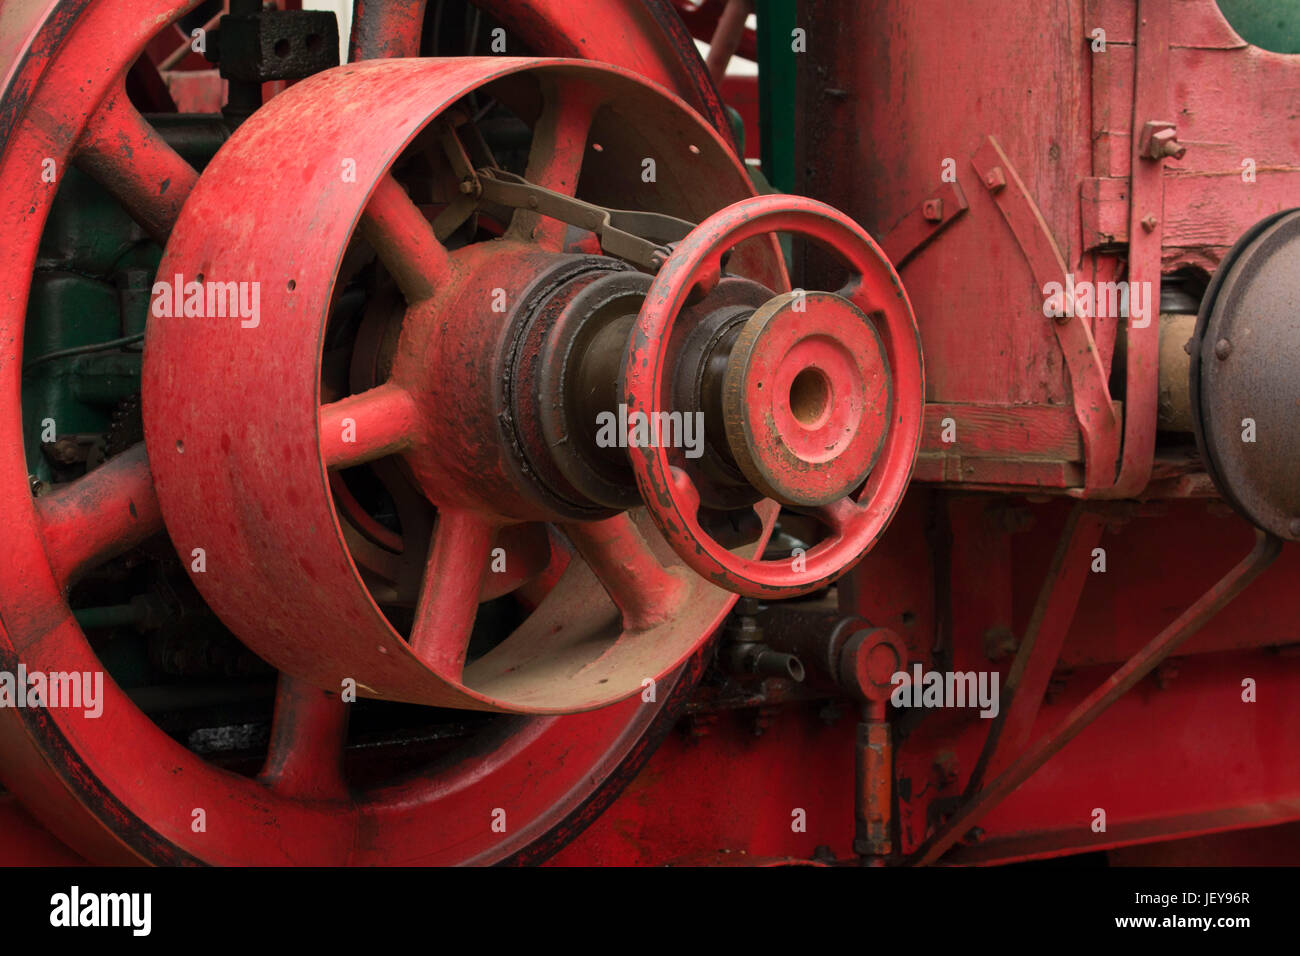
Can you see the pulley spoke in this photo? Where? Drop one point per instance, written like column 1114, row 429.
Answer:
column 382, row 29
column 369, row 425
column 644, row 591
column 526, row 553
column 305, row 759
column 555, row 158
column 102, row 514
column 453, row 582
column 404, row 239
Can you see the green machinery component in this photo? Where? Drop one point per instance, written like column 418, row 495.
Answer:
column 776, row 90
column 86, row 316
column 1271, row 25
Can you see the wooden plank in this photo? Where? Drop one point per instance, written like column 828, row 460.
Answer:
column 1003, row 431
column 998, row 474
column 1104, row 202
column 1116, row 17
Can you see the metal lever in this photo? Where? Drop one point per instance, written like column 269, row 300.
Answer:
column 641, row 238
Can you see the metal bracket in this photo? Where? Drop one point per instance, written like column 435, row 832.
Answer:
column 1098, row 420
column 1266, row 549
column 274, row 45
column 1145, row 238
column 1160, row 139
column 924, row 223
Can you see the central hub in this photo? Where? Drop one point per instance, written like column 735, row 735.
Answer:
column 533, row 369
column 807, row 397
column 810, row 397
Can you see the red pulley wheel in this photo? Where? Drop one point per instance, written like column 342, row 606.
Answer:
column 823, row 397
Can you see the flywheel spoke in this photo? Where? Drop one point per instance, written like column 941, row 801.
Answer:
column 453, row 583
column 305, row 759
column 405, row 241
column 385, row 28
column 125, row 155
column 556, row 155
column 105, row 513
column 369, row 425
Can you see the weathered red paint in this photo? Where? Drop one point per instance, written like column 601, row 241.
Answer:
column 68, row 768
column 275, row 552
column 967, row 581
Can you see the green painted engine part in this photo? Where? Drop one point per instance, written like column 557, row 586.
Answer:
column 94, row 272
column 1269, row 24
column 776, row 90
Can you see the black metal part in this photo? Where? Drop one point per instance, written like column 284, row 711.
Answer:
column 744, row 653
column 567, row 375
column 1245, row 376
column 269, row 45
column 548, row 339
column 816, row 634
column 762, row 660
column 699, row 370
column 580, row 377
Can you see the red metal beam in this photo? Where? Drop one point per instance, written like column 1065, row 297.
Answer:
column 1261, row 556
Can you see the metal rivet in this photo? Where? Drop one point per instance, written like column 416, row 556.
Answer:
column 1222, row 348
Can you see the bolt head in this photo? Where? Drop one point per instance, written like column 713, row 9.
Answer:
column 932, row 210
column 1222, row 349
column 1160, row 139
column 995, row 179
column 1294, row 527
column 1165, row 143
